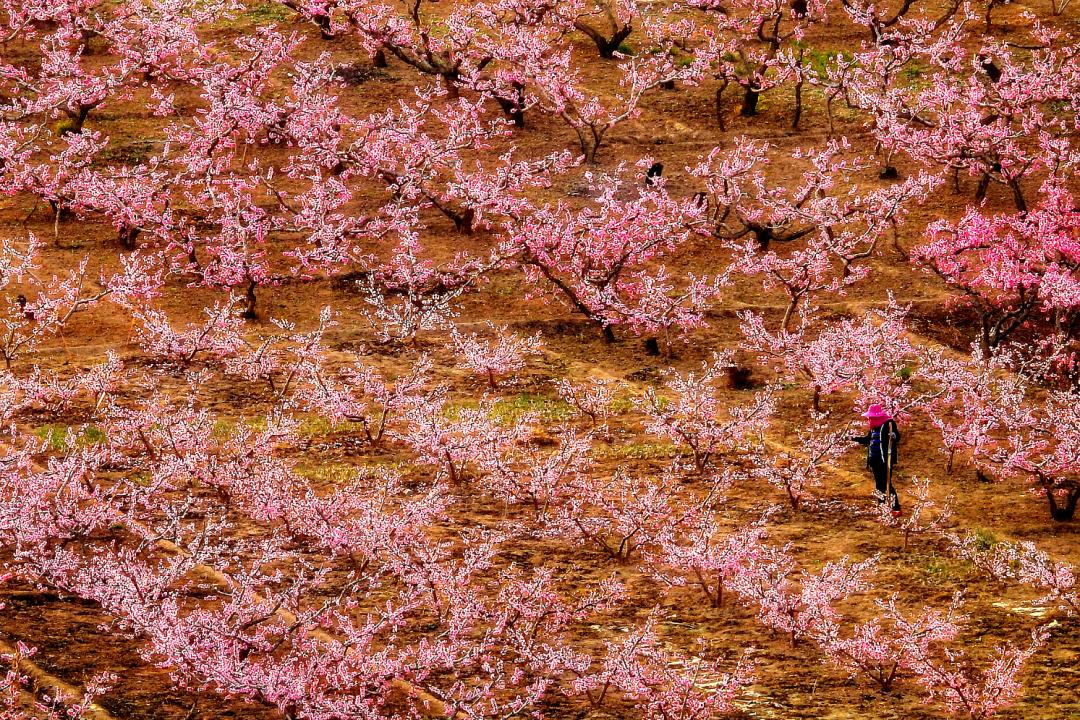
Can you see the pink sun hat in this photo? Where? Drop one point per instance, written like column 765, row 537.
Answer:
column 876, row 412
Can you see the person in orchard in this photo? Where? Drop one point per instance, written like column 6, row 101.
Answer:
column 881, row 442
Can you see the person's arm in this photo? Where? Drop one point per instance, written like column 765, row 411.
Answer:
column 894, row 439
column 861, row 439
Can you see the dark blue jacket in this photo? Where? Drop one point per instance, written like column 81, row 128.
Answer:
column 881, row 443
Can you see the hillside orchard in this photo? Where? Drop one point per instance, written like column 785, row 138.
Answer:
column 484, row 359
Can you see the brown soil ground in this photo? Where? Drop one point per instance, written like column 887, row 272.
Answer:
column 676, row 127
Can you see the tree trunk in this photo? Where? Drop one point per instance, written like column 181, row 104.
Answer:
column 750, row 102
column 511, row 107
column 611, row 46
column 798, row 87
column 1058, row 512
column 323, row 23
column 451, row 468
column 720, row 106
column 989, row 9
column 797, row 115
column 590, row 148
column 249, row 305
column 452, row 92
column 980, row 191
column 463, row 220
column 789, row 313
column 1018, row 196
column 127, row 236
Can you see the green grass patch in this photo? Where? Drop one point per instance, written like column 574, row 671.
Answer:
column 916, row 75
column 819, row 59
column 224, row 427
column 329, row 473
column 510, row 410
column 56, row 436
column 454, row 410
column 315, row 427
column 65, row 126
column 937, row 570
column 309, row 427
column 140, row 478
column 984, row 539
column 622, row 404
column 267, row 12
